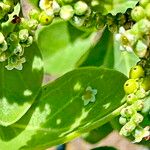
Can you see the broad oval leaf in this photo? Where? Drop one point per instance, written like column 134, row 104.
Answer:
column 102, row 54
column 60, row 115
column 19, row 88
column 62, row 46
column 94, row 136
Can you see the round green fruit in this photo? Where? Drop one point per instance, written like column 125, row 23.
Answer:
column 136, row 72
column 45, row 19
column 131, row 98
column 131, row 86
column 80, row 8
column 146, row 83
column 138, row 13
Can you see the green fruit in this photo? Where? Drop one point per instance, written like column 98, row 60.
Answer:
column 127, row 112
column 80, row 8
column 131, row 86
column 146, row 83
column 137, row 13
column 45, row 19
column 128, row 128
column 122, row 120
column 136, row 72
column 66, row 12
column 144, row 26
column 138, row 105
column 144, row 3
column 131, row 98
column 141, row 48
column 147, row 10
column 137, row 118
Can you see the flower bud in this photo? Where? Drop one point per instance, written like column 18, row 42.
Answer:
column 131, row 86
column 122, row 120
column 32, row 24
column 141, row 49
column 80, row 8
column 137, row 118
column 23, row 35
column 138, row 13
column 128, row 128
column 138, row 105
column 141, row 93
column 127, row 112
column 131, row 98
column 66, row 12
column 144, row 26
column 3, row 57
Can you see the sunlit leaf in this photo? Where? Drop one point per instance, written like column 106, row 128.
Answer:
column 60, row 114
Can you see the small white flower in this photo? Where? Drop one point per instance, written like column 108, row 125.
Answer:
column 126, row 39
column 89, row 95
column 140, row 134
column 56, row 7
column 45, row 4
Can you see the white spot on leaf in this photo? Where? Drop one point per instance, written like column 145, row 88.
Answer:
column 77, row 86
column 58, row 121
column 27, row 93
column 37, row 63
column 106, row 105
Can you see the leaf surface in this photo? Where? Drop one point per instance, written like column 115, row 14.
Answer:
column 59, row 115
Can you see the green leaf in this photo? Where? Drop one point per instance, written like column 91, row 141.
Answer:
column 123, row 60
column 62, row 46
column 19, row 88
column 98, row 134
column 59, row 115
column 116, row 6
column 102, row 53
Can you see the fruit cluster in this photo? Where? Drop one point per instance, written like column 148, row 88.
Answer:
column 13, row 42
column 83, row 14
column 137, row 88
column 80, row 13
column 136, row 39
